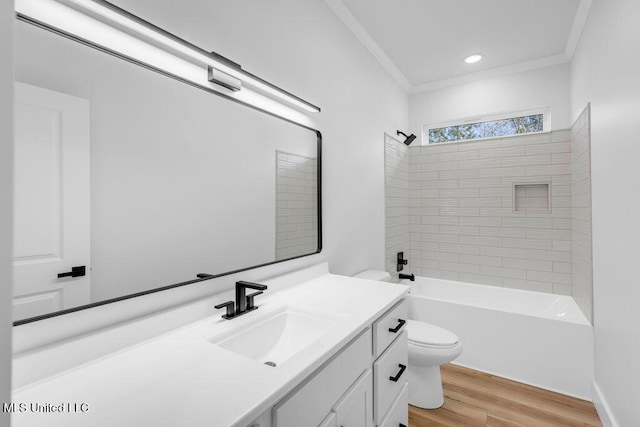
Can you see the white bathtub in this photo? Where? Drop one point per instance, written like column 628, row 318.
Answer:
column 532, row 337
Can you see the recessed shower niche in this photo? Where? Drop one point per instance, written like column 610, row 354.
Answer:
column 531, row 197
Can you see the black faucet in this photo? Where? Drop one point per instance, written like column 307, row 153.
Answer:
column 244, row 303
column 401, row 262
column 411, row 276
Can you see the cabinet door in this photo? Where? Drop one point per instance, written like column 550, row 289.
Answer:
column 355, row 408
column 398, row 415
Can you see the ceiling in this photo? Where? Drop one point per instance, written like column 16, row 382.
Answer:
column 423, row 43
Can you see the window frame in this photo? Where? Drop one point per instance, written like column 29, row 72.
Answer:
column 546, row 124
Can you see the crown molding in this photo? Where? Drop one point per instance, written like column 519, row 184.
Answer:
column 578, row 25
column 365, row 38
column 520, row 67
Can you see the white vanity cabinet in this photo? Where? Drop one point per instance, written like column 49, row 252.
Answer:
column 390, row 366
column 363, row 385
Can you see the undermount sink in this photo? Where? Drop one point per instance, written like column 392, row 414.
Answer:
column 275, row 338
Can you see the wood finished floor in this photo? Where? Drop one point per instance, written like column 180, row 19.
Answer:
column 476, row 399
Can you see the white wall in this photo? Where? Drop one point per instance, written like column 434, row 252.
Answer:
column 6, row 209
column 605, row 71
column 304, row 48
column 545, row 87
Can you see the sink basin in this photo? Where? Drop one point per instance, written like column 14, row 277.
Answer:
column 277, row 337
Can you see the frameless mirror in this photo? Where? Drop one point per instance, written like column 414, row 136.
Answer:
column 128, row 181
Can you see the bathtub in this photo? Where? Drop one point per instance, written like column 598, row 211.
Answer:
column 531, row 337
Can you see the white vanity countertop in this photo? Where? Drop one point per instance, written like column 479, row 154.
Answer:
column 181, row 379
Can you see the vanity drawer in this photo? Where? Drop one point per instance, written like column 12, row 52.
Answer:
column 310, row 402
column 388, row 327
column 398, row 415
column 390, row 375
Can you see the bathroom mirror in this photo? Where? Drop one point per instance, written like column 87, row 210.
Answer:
column 128, row 181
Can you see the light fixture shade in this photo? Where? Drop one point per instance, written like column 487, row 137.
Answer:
column 133, row 25
column 472, row 59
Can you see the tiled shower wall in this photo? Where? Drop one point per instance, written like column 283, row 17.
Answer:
column 581, row 213
column 464, row 225
column 296, row 207
column 396, row 202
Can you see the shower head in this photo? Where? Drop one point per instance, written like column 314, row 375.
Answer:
column 408, row 138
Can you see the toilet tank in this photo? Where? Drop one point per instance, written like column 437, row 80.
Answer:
column 380, row 276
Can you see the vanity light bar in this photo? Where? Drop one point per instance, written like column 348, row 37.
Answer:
column 106, row 11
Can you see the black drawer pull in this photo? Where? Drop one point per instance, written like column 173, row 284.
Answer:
column 399, row 374
column 401, row 323
column 401, row 425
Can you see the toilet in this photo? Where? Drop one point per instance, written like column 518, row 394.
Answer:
column 429, row 347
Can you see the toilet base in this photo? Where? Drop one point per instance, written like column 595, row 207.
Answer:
column 425, row 387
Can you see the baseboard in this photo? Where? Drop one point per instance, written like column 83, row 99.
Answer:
column 604, row 411
column 520, row 380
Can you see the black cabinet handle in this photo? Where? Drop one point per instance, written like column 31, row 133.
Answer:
column 399, row 374
column 401, row 425
column 75, row 272
column 401, row 323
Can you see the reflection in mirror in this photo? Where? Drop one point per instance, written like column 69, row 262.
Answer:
column 143, row 180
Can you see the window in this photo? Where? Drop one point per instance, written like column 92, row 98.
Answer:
column 492, row 128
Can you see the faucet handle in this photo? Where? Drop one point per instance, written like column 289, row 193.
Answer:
column 230, row 305
column 250, row 297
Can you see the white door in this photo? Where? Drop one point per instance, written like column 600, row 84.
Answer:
column 51, row 201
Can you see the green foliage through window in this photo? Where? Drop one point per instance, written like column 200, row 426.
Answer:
column 490, row 129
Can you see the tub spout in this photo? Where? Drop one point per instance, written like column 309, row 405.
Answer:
column 411, row 276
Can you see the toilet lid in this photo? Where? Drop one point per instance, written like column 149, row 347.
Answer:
column 421, row 333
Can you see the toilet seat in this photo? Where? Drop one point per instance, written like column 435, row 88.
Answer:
column 423, row 334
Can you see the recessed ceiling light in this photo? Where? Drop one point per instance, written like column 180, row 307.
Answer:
column 472, row 59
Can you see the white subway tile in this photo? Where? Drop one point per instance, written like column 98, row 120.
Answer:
column 459, row 268
column 527, row 244
column 544, row 276
column 500, row 172
column 480, row 183
column 527, row 264
column 439, row 220
column 517, row 233
column 548, row 255
column 482, row 221
column 480, row 164
column 459, row 230
column 526, row 161
column 459, row 249
column 459, row 174
column 495, row 261
column 502, row 152
column 481, row 240
column 451, row 211
column 511, row 273
column 460, row 192
column 458, row 156
column 562, row 267
column 504, row 252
